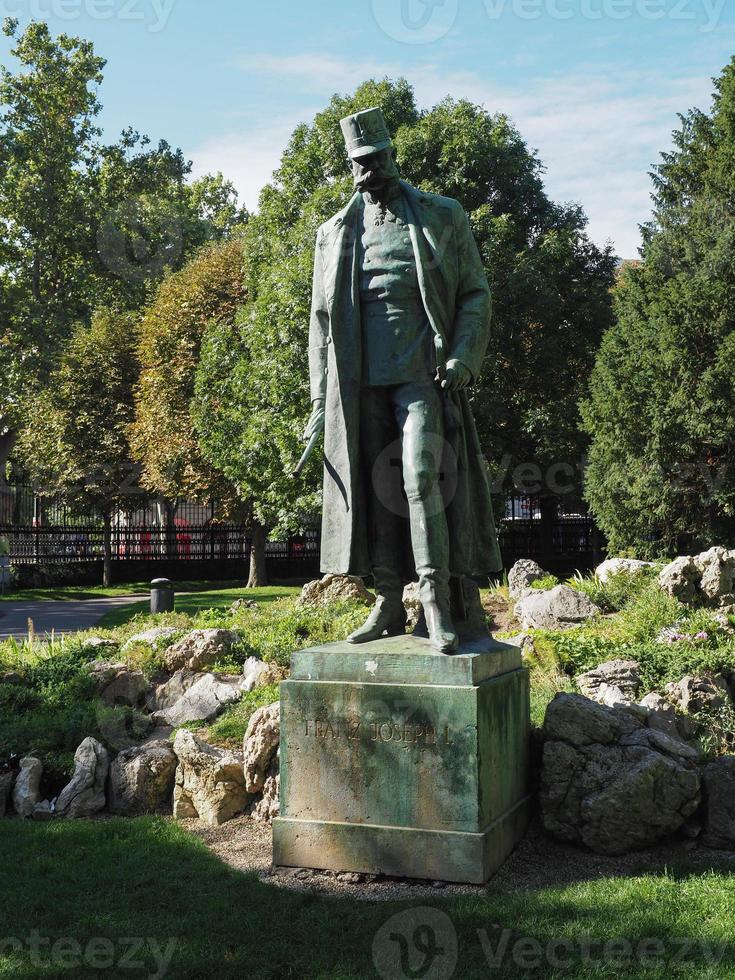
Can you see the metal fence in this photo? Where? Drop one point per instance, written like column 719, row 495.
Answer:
column 46, row 530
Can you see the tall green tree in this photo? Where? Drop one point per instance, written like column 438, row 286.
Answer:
column 75, row 442
column 661, row 407
column 550, row 283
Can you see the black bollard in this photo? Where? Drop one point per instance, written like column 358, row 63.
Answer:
column 162, row 595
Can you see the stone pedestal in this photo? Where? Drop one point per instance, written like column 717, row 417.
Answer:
column 398, row 760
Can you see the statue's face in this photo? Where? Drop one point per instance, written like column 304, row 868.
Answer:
column 375, row 170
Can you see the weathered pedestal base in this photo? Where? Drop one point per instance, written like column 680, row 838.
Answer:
column 398, row 760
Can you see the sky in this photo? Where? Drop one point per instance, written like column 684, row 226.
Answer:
column 594, row 86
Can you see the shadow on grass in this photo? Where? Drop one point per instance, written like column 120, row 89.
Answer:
column 148, row 881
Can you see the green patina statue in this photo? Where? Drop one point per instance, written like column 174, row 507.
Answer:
column 399, row 327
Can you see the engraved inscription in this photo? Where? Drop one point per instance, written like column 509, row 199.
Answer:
column 353, row 729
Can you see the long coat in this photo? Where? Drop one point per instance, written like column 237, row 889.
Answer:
column 456, row 297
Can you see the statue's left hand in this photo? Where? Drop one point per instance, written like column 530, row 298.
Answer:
column 456, row 376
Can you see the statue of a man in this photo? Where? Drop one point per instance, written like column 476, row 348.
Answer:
column 399, row 327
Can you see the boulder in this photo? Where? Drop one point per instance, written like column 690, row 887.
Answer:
column 611, row 783
column 203, row 697
column 84, row 795
column 142, row 779
column 614, row 682
column 240, row 604
column 661, row 715
column 6, row 789
column 522, row 574
column 269, row 805
column 708, row 692
column 26, row 792
column 210, row 783
column 718, row 782
column 708, row 577
column 118, row 684
column 157, row 638
column 98, row 643
column 678, row 579
column 335, row 588
column 43, row 811
column 556, row 609
column 621, row 566
column 200, row 649
column 253, row 671
column 260, row 745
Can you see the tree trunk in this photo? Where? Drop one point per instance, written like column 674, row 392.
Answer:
column 107, row 550
column 258, row 571
column 7, row 441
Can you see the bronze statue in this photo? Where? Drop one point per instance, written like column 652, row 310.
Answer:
column 399, row 327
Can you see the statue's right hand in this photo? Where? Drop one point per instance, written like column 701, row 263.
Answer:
column 315, row 424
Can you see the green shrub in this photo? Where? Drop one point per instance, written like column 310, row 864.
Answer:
column 545, row 582
column 618, row 592
column 231, row 726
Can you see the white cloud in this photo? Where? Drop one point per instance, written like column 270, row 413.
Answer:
column 597, row 130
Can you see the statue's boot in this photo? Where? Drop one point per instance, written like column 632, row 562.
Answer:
column 442, row 633
column 387, row 617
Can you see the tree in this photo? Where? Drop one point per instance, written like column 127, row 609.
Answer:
column 550, row 283
column 661, row 405
column 75, row 440
column 208, row 289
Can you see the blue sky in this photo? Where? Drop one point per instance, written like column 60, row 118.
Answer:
column 593, row 85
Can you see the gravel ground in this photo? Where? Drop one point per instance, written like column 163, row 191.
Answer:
column 537, row 863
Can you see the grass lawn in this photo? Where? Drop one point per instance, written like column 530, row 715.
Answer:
column 194, row 602
column 137, row 889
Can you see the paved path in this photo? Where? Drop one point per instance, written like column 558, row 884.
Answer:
column 59, row 617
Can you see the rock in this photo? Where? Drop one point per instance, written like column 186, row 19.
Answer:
column 142, row 779
column 678, row 579
column 614, row 682
column 557, row 609
column 200, row 649
column 26, row 792
column 268, row 806
column 43, row 811
column 335, row 588
column 522, row 574
column 412, row 602
column 239, row 604
column 661, row 715
column 252, row 671
column 98, row 643
column 610, row 783
column 157, row 638
column 708, row 577
column 6, row 789
column 118, row 684
column 708, row 692
column 203, row 697
column 260, row 745
column 84, row 795
column 621, row 566
column 210, row 783
column 719, row 803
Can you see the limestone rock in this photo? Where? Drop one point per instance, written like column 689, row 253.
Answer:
column 719, row 803
column 614, row 682
column 621, row 566
column 522, row 574
column 98, row 643
column 335, row 588
column 26, row 792
column 84, row 795
column 203, row 697
column 610, row 783
column 678, row 579
column 260, row 745
column 708, row 692
column 716, row 568
column 142, row 779
column 200, row 649
column 268, row 806
column 43, row 811
column 209, row 781
column 157, row 638
column 6, row 789
column 556, row 609
column 708, row 577
column 252, row 671
column 240, row 604
column 118, row 684
column 661, row 715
